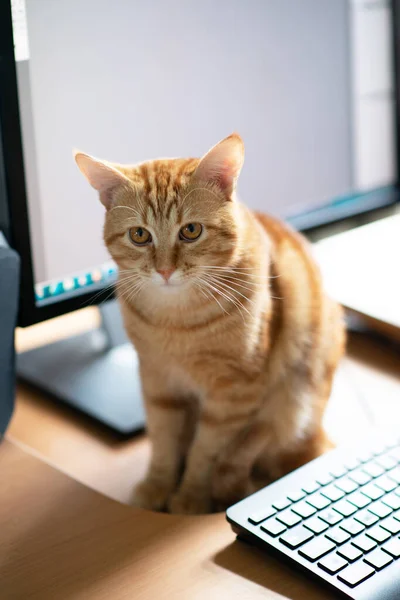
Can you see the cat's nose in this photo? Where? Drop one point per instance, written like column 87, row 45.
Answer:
column 165, row 273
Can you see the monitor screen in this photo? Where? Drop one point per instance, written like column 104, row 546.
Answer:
column 307, row 83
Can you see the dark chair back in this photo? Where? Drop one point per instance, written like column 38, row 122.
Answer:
column 9, row 284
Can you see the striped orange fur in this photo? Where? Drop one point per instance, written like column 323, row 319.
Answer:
column 238, row 343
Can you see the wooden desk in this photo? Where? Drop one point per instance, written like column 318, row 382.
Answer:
column 61, row 540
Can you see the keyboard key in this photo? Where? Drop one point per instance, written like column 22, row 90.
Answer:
column 344, row 508
column 395, row 453
column 387, row 462
column 330, row 516
column 352, row 526
column 262, row 515
column 395, row 475
column 304, row 509
column 392, row 547
column 359, row 500
column 378, row 559
column 365, row 456
column 311, row 487
column 332, row 564
column 296, row 496
column 396, row 515
column 324, row 479
column 380, row 448
column 379, row 509
column 373, row 470
column 391, row 525
column 289, row 518
column 338, row 471
column 316, row 548
column 392, row 500
column 360, row 477
column 349, row 552
column 385, row 483
column 316, row 525
column 364, row 543
column 372, row 491
column 281, row 504
column 366, row 518
column 378, row 534
column 346, row 485
column 351, row 463
column 356, row 574
column 296, row 537
column 317, row 501
column 273, row 527
column 332, row 492
column 338, row 535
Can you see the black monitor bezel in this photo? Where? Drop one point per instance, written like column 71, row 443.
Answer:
column 14, row 220
column 13, row 206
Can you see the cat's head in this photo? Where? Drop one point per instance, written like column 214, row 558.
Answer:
column 170, row 223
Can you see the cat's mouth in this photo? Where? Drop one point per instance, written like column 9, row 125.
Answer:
column 170, row 285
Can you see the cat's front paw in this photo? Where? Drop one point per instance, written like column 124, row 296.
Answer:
column 230, row 484
column 151, row 494
column 189, row 503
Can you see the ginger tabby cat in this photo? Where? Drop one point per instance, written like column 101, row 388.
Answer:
column 238, row 343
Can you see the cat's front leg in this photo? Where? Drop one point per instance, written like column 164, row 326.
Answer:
column 166, row 419
column 168, row 422
column 223, row 418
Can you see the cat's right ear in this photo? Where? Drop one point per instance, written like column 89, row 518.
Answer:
column 102, row 176
column 222, row 164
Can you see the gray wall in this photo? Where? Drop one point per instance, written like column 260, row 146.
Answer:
column 132, row 80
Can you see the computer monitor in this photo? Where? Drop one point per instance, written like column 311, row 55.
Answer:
column 309, row 85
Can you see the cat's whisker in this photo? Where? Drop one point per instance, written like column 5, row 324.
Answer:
column 211, row 287
column 235, row 282
column 236, row 302
column 99, row 293
column 240, row 281
column 229, row 268
column 221, row 286
column 228, row 297
column 133, row 291
column 244, row 271
column 212, row 296
column 137, row 214
column 125, row 285
column 127, row 275
column 201, row 289
column 128, row 285
column 128, row 278
column 107, row 297
column 226, row 286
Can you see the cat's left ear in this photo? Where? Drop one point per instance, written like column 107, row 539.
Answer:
column 222, row 164
column 101, row 175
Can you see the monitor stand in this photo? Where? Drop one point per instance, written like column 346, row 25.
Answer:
column 95, row 372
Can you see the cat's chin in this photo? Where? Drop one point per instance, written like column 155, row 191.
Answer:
column 161, row 297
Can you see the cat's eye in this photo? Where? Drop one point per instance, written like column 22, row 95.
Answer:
column 190, row 232
column 139, row 236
